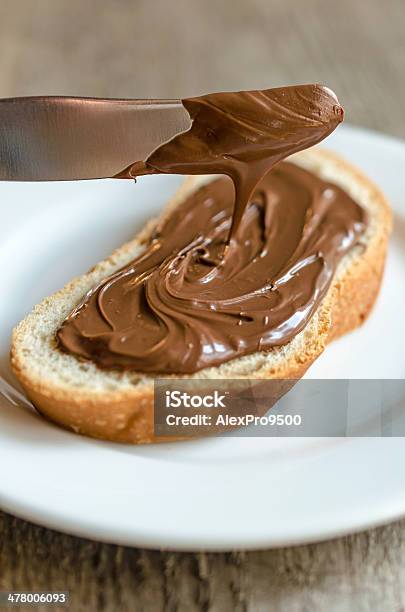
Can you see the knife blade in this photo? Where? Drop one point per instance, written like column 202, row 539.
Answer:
column 52, row 138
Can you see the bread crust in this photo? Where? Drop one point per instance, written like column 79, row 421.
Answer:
column 127, row 415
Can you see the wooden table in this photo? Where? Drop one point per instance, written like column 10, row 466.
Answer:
column 142, row 48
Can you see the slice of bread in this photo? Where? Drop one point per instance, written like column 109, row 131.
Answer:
column 118, row 406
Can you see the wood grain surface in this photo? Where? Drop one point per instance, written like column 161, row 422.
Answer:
column 157, row 48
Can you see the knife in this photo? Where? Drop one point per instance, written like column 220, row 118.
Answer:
column 51, row 138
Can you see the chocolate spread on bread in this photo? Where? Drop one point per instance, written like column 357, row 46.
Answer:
column 242, row 263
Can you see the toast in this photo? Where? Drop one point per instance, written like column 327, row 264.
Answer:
column 118, row 406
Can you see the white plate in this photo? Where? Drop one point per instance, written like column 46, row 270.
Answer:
column 215, row 494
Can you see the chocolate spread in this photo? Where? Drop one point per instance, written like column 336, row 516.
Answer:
column 224, row 275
